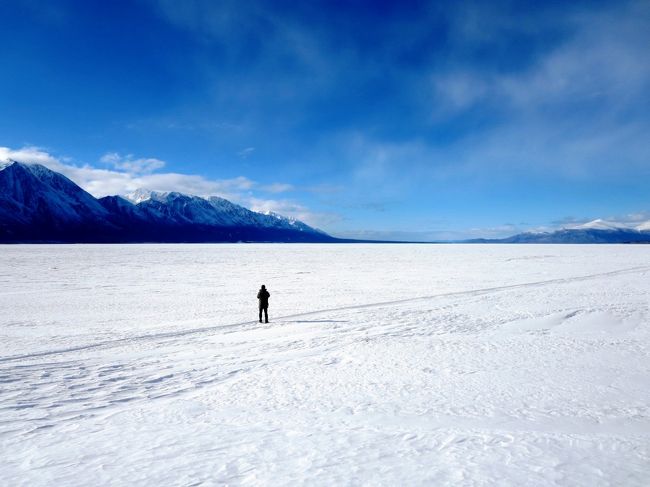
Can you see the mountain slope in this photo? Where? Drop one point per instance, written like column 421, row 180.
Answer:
column 39, row 194
column 39, row 204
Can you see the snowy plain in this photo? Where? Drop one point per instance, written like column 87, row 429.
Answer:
column 382, row 365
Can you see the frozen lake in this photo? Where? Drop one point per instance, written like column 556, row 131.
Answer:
column 382, row 365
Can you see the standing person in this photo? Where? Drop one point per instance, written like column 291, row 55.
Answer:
column 263, row 297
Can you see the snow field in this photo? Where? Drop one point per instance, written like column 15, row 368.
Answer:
column 427, row 365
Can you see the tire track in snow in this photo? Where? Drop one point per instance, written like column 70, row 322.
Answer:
column 220, row 328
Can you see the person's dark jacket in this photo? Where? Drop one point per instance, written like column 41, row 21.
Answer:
column 263, row 296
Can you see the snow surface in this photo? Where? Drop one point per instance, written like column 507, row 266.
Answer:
column 382, row 365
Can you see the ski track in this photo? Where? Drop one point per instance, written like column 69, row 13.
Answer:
column 490, row 386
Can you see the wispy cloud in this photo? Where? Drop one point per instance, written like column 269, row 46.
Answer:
column 131, row 165
column 572, row 113
column 247, row 152
column 574, row 110
column 633, row 218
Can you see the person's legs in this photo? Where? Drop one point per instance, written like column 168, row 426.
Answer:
column 266, row 314
column 261, row 314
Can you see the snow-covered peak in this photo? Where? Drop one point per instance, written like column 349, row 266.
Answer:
column 643, row 227
column 219, row 202
column 600, row 224
column 277, row 216
column 272, row 214
column 280, row 221
column 36, row 169
column 139, row 195
column 6, row 163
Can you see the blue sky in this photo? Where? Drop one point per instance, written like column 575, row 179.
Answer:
column 409, row 119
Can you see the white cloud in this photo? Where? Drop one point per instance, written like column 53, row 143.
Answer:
column 284, row 207
column 131, row 174
column 293, row 210
column 131, row 165
column 31, row 155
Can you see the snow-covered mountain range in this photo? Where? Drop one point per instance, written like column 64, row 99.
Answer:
column 38, row 204
column 596, row 231
column 41, row 205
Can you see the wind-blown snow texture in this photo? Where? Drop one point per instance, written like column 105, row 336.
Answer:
column 382, row 365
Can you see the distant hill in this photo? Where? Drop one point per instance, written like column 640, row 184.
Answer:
column 41, row 205
column 594, row 232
